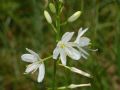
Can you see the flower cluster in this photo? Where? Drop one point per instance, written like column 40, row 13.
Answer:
column 65, row 47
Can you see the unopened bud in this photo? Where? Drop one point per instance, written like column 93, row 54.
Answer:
column 72, row 86
column 78, row 71
column 74, row 17
column 48, row 17
column 52, row 7
column 73, row 69
column 61, row 1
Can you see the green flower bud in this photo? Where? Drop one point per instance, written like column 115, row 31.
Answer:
column 61, row 1
column 48, row 17
column 74, row 17
column 52, row 7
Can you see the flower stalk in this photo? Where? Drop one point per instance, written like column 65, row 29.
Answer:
column 46, row 59
column 58, row 8
column 65, row 47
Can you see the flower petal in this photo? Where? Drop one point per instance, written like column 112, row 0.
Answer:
column 84, row 41
column 32, row 52
column 56, row 53
column 41, row 73
column 80, row 33
column 63, row 56
column 32, row 67
column 67, row 36
column 29, row 58
column 73, row 53
column 72, row 44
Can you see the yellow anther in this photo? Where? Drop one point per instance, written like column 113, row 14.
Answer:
column 62, row 45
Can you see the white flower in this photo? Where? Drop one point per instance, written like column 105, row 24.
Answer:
column 36, row 63
column 65, row 48
column 82, row 42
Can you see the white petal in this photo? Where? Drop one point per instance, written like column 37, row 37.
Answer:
column 41, row 73
column 63, row 56
column 29, row 58
column 84, row 41
column 32, row 52
column 32, row 67
column 56, row 53
column 73, row 53
column 80, row 30
column 67, row 36
column 69, row 44
column 80, row 33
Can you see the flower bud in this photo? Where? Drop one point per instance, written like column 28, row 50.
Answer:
column 75, row 70
column 52, row 7
column 74, row 17
column 48, row 17
column 61, row 1
column 72, row 86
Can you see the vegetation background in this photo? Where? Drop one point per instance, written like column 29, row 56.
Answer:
column 22, row 24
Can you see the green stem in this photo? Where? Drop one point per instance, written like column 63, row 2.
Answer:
column 64, row 23
column 57, row 39
column 58, row 28
column 54, row 74
column 46, row 59
column 54, row 28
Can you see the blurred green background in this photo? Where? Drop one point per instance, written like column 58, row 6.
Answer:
column 22, row 24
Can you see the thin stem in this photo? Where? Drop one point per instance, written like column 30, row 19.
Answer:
column 45, row 59
column 82, row 5
column 64, row 23
column 48, row 57
column 54, row 28
column 57, row 39
column 54, row 75
column 58, row 28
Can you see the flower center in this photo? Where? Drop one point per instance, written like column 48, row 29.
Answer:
column 61, row 44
